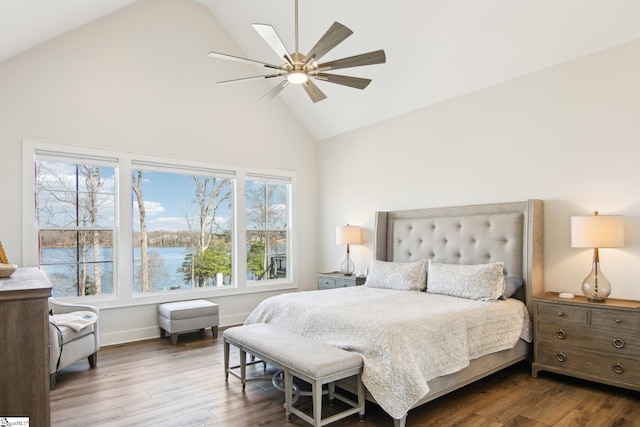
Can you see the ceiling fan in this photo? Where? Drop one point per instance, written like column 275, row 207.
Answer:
column 300, row 69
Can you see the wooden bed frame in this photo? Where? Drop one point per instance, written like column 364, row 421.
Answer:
column 508, row 232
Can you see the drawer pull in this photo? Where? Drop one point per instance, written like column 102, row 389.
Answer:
column 618, row 342
column 560, row 314
column 561, row 357
column 561, row 334
column 618, row 368
column 618, row 321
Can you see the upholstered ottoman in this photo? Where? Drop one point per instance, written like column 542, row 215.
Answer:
column 183, row 316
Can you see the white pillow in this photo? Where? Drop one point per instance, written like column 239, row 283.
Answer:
column 402, row 276
column 483, row 282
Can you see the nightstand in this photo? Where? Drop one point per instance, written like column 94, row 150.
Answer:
column 593, row 341
column 338, row 280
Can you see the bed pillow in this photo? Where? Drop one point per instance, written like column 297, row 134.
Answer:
column 484, row 282
column 402, row 276
column 512, row 285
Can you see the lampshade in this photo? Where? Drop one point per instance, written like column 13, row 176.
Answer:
column 597, row 231
column 348, row 235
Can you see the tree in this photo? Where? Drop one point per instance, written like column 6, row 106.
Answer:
column 209, row 194
column 144, row 239
column 201, row 266
column 255, row 258
column 69, row 199
column 93, row 185
column 266, row 216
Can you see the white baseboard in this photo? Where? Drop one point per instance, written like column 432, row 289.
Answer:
column 132, row 335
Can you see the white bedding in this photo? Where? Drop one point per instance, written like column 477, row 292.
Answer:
column 405, row 338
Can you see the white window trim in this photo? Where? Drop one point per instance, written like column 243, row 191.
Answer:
column 123, row 295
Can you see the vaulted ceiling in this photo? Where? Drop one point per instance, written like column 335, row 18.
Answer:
column 436, row 49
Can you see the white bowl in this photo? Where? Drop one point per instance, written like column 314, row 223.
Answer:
column 7, row 270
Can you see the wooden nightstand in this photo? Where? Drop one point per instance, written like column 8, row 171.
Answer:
column 594, row 341
column 338, row 280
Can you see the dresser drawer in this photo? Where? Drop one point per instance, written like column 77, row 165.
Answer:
column 616, row 343
column 615, row 320
column 558, row 312
column 326, row 283
column 576, row 361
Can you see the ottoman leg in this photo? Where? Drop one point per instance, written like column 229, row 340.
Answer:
column 161, row 333
column 214, row 331
column 174, row 339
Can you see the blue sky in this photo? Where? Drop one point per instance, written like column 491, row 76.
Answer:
column 167, row 196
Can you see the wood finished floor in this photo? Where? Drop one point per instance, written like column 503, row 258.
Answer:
column 153, row 383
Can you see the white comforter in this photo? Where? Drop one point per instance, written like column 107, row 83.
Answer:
column 405, row 338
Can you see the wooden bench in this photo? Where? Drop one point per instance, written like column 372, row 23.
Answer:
column 297, row 356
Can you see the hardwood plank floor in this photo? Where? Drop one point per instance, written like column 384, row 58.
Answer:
column 154, row 383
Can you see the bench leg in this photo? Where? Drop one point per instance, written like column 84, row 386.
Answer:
column 316, row 391
column 174, row 339
column 361, row 397
column 331, row 389
column 243, row 368
column 288, row 393
column 214, row 331
column 226, row 360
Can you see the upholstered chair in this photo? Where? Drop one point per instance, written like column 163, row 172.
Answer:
column 66, row 345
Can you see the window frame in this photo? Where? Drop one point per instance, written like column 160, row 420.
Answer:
column 126, row 162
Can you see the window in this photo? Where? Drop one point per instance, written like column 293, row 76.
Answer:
column 125, row 227
column 266, row 205
column 182, row 226
column 75, row 217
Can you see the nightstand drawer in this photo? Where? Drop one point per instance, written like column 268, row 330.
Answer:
column 326, row 283
column 558, row 312
column 615, row 320
column 338, row 280
column 342, row 283
column 583, row 364
column 612, row 342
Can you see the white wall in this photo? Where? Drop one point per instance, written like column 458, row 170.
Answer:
column 140, row 80
column 569, row 135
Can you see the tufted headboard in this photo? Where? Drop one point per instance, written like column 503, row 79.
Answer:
column 507, row 232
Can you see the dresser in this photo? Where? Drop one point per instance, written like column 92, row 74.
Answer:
column 594, row 341
column 338, row 280
column 24, row 340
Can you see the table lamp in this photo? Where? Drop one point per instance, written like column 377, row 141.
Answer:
column 348, row 235
column 597, row 231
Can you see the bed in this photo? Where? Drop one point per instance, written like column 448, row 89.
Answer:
column 411, row 359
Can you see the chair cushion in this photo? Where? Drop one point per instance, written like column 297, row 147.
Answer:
column 68, row 334
column 187, row 309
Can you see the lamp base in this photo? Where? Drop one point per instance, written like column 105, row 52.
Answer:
column 596, row 286
column 347, row 268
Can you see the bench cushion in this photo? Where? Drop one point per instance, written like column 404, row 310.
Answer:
column 296, row 352
column 187, row 309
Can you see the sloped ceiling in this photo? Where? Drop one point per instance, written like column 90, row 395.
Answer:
column 436, row 49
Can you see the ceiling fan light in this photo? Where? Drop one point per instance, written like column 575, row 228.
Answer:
column 297, row 77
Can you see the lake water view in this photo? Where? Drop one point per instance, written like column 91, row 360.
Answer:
column 164, row 265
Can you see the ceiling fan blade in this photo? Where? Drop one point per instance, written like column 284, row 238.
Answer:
column 332, row 38
column 371, row 58
column 248, row 79
column 268, row 33
column 218, row 55
column 356, row 82
column 313, row 91
column 275, row 91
